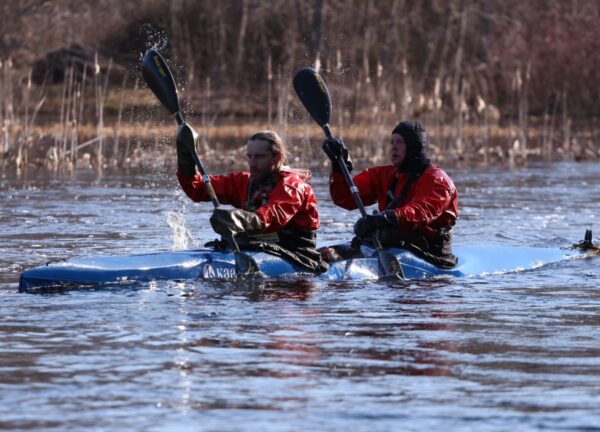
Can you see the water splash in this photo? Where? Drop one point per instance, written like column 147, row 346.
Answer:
column 182, row 237
column 154, row 37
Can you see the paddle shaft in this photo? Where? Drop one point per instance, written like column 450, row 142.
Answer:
column 208, row 184
column 347, row 176
column 158, row 76
column 353, row 188
column 205, row 178
column 244, row 262
column 313, row 94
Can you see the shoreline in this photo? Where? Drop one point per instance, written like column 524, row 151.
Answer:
column 135, row 145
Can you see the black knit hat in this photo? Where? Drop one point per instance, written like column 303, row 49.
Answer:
column 413, row 133
column 415, row 138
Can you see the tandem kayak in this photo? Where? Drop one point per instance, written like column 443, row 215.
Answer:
column 211, row 264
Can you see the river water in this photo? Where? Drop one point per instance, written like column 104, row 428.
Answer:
column 506, row 352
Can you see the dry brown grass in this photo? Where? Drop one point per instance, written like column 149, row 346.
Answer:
column 149, row 143
column 146, row 134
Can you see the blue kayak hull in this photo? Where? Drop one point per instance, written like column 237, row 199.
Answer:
column 209, row 264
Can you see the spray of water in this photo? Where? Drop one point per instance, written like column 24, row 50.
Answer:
column 154, row 37
column 182, row 237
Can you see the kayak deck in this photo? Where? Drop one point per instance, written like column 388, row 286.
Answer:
column 210, row 264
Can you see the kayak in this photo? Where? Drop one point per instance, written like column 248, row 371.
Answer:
column 211, row 264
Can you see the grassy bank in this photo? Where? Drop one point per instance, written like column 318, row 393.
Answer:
column 223, row 146
column 92, row 123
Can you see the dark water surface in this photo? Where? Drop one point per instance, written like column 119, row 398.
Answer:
column 507, row 352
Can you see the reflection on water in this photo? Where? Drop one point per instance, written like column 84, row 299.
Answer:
column 516, row 351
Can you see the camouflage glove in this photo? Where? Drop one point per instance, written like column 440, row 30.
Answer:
column 232, row 222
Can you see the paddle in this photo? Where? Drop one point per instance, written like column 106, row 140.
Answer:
column 313, row 94
column 158, row 77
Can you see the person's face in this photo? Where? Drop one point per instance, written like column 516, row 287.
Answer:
column 261, row 161
column 398, row 149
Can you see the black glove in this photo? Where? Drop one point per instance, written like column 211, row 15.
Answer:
column 185, row 144
column 335, row 148
column 185, row 162
column 365, row 226
column 231, row 222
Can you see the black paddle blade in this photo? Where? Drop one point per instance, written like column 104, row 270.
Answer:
column 389, row 266
column 313, row 93
column 245, row 265
column 159, row 78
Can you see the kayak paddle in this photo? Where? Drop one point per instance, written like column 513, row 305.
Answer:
column 313, row 94
column 158, row 77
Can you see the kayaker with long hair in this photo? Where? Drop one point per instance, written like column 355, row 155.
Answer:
column 418, row 202
column 275, row 207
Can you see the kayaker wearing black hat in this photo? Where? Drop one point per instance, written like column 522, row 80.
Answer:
column 418, row 202
column 275, row 208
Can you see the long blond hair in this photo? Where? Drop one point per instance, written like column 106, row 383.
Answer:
column 277, row 147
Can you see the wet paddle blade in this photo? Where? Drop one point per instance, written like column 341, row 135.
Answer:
column 313, row 94
column 245, row 265
column 158, row 77
column 389, row 266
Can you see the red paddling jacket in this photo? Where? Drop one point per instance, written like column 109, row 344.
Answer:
column 285, row 204
column 429, row 206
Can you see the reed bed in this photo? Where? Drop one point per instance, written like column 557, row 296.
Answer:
column 88, row 121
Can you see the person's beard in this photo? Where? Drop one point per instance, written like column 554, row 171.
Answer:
column 262, row 177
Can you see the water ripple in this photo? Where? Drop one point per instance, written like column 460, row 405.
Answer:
column 515, row 351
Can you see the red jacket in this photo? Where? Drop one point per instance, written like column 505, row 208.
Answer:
column 430, row 204
column 290, row 203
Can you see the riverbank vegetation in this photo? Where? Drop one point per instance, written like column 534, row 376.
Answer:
column 493, row 81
